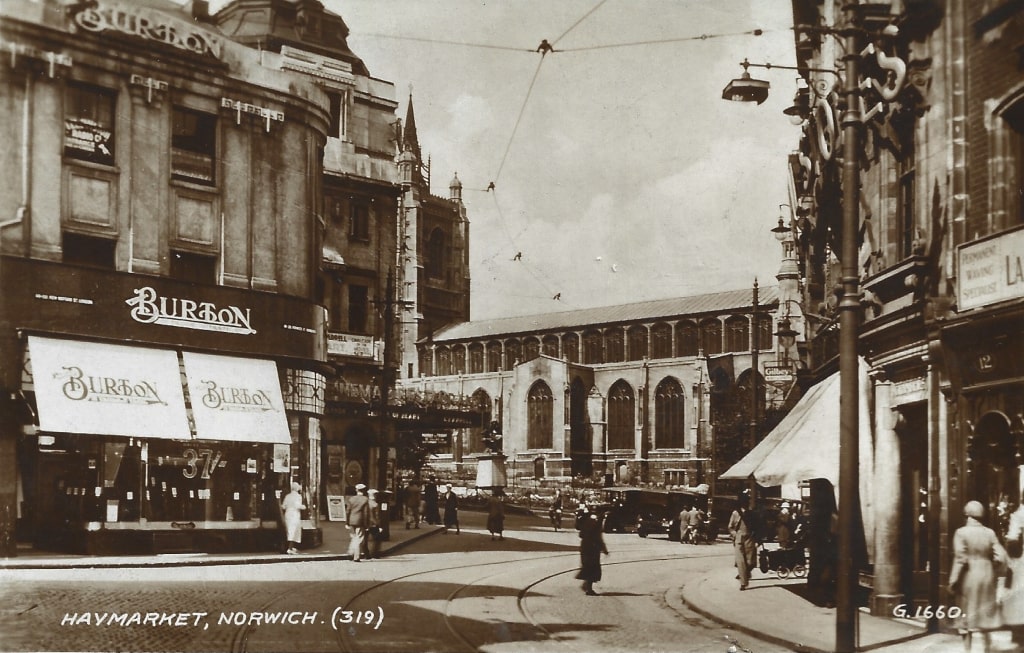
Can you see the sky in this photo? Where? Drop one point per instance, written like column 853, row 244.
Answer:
column 620, row 174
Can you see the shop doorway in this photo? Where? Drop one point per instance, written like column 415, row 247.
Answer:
column 995, row 477
column 912, row 429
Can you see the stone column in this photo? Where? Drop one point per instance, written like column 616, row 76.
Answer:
column 886, row 594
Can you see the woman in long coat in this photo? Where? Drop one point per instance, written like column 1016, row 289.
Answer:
column 451, row 510
column 292, row 506
column 978, row 559
column 591, row 548
column 496, row 513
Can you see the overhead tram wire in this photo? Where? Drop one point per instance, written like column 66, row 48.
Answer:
column 682, row 39
column 582, row 18
column 443, row 42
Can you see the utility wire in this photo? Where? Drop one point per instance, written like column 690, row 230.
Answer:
column 582, row 18
column 701, row 37
column 519, row 118
column 468, row 45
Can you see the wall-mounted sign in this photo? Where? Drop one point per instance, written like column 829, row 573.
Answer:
column 347, row 344
column 146, row 23
column 990, row 270
column 778, row 373
column 150, row 308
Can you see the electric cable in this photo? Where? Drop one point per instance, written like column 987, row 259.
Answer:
column 519, row 118
column 582, row 18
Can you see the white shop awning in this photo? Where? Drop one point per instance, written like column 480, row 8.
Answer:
column 105, row 389
column 805, row 444
column 236, row 399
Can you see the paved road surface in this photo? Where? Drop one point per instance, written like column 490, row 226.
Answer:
column 444, row 593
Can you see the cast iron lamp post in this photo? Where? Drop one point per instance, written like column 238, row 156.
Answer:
column 746, row 90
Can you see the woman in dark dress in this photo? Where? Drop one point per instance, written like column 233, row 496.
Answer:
column 496, row 513
column 591, row 548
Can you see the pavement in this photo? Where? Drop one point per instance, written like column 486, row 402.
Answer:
column 772, row 609
column 334, row 547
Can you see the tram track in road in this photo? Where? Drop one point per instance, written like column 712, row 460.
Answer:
column 465, row 623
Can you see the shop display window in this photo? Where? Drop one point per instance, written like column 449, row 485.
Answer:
column 89, row 123
column 205, row 481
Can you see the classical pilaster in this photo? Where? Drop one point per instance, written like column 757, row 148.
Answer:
column 886, row 594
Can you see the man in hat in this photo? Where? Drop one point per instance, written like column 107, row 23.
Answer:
column 357, row 514
column 784, row 527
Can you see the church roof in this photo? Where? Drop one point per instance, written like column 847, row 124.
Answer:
column 657, row 309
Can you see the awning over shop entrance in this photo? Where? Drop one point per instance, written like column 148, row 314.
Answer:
column 236, row 399
column 805, row 444
column 89, row 387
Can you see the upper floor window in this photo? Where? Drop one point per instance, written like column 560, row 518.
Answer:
column 339, row 114
column 764, row 332
column 458, row 359
column 550, row 346
column 89, row 123
column 614, row 345
column 494, row 357
column 1013, row 173
column 476, row 358
column 637, row 344
column 571, row 347
column 689, row 340
column 711, row 336
column 661, row 340
column 193, row 146
column 593, row 348
column 90, row 251
column 621, row 416
column 359, row 221
column 512, row 354
column 192, row 267
column 358, row 308
column 435, row 255
column 737, row 334
column 531, row 348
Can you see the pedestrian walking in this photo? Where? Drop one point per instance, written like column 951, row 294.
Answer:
column 591, row 547
column 451, row 509
column 373, row 530
column 784, row 527
column 743, row 540
column 496, row 513
column 413, row 497
column 358, row 518
column 292, row 506
column 431, row 514
column 978, row 559
column 1013, row 601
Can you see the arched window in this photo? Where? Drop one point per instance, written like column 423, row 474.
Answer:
column 614, row 348
column 482, row 402
column 669, row 408
column 637, row 341
column 494, row 356
column 550, row 346
column 476, row 358
column 661, row 340
column 458, row 359
column 540, row 410
column 689, row 342
column 711, row 336
column 444, row 361
column 512, row 354
column 593, row 348
column 571, row 347
column 531, row 348
column 435, row 254
column 621, row 416
column 426, row 364
column 737, row 334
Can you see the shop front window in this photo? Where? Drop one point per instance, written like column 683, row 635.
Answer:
column 205, row 481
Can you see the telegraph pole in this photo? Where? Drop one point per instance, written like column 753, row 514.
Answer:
column 752, row 435
column 387, row 381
